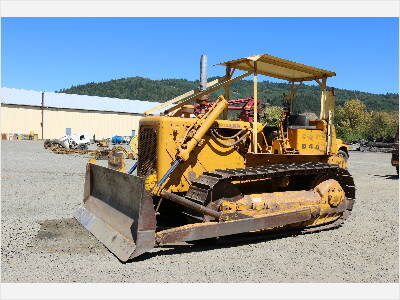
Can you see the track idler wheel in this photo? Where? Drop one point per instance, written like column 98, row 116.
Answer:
column 331, row 192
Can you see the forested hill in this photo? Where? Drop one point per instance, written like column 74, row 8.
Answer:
column 308, row 97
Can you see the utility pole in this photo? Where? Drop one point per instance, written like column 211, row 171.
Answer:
column 42, row 107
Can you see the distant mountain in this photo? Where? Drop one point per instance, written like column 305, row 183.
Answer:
column 308, row 97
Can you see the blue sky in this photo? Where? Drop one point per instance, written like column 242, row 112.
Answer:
column 53, row 53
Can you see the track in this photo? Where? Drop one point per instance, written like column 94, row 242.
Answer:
column 202, row 188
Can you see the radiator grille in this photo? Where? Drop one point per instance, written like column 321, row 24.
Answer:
column 147, row 151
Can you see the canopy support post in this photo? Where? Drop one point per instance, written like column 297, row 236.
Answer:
column 323, row 115
column 255, row 111
column 293, row 91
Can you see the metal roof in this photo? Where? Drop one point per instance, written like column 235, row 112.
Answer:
column 72, row 101
column 278, row 67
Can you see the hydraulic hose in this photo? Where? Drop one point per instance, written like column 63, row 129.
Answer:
column 172, row 168
column 133, row 168
column 231, row 144
column 227, row 137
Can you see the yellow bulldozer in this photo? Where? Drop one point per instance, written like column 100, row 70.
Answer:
column 201, row 175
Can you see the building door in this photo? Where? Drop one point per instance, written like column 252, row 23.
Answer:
column 68, row 131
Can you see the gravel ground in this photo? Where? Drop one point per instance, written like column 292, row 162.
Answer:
column 40, row 241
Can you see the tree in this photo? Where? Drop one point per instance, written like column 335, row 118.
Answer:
column 307, row 99
column 383, row 125
column 272, row 115
column 352, row 120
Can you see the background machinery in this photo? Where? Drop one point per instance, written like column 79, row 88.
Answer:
column 395, row 152
column 79, row 141
column 78, row 144
column 200, row 175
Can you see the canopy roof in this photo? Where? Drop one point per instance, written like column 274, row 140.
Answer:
column 279, row 68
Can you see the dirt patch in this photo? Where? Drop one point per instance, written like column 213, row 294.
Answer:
column 65, row 236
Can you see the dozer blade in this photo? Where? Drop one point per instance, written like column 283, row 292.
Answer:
column 118, row 211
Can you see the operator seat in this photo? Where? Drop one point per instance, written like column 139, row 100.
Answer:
column 301, row 121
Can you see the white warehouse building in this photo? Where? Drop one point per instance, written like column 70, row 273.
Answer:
column 52, row 115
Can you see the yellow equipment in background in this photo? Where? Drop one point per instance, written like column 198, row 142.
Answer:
column 201, row 176
column 133, row 144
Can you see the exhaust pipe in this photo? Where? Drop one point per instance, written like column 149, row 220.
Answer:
column 203, row 80
column 203, row 73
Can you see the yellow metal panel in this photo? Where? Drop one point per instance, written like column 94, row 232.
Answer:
column 328, row 101
column 280, row 68
column 207, row 156
column 307, row 141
